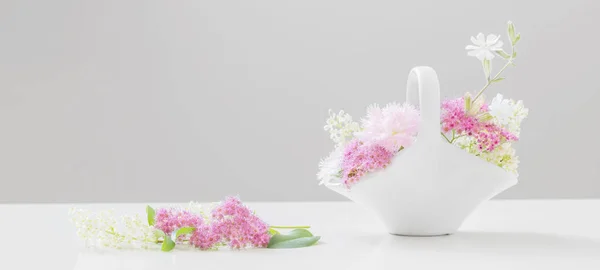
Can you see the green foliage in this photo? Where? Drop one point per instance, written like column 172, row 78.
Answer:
column 150, row 213
column 297, row 243
column 168, row 243
column 503, row 54
column 512, row 34
column 511, row 31
column 182, row 231
column 295, row 239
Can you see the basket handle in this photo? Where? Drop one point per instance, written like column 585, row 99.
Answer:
column 423, row 89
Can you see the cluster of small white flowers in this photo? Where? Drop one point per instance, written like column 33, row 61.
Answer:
column 107, row 233
column 101, row 229
column 85, row 224
column 330, row 167
column 137, row 230
column 197, row 208
column 508, row 113
column 341, row 127
column 504, row 155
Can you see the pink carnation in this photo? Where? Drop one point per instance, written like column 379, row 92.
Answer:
column 360, row 159
column 487, row 134
column 392, row 127
column 171, row 219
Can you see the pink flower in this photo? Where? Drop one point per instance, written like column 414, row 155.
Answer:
column 233, row 224
column 204, row 237
column 171, row 219
column 392, row 127
column 360, row 159
column 238, row 226
column 488, row 135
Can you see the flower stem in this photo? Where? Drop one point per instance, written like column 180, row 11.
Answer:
column 290, row 227
column 119, row 235
column 489, row 82
column 444, row 135
column 454, row 138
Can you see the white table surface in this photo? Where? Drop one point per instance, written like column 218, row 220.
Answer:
column 532, row 234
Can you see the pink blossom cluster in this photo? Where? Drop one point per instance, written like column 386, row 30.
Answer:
column 385, row 131
column 488, row 135
column 359, row 159
column 171, row 219
column 232, row 224
column 239, row 226
column 204, row 237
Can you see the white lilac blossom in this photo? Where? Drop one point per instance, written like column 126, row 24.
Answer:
column 341, row 127
column 138, row 231
column 503, row 156
column 102, row 229
column 508, row 113
column 485, row 48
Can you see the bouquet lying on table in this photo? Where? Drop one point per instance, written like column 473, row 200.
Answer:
column 484, row 129
column 227, row 224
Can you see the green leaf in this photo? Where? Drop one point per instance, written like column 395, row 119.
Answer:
column 159, row 233
column 503, row 54
column 297, row 243
column 150, row 213
column 514, row 54
column 498, row 79
column 273, row 231
column 485, row 117
column 511, row 31
column 182, row 231
column 295, row 238
column 167, row 244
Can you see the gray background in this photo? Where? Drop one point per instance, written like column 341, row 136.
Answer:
column 180, row 100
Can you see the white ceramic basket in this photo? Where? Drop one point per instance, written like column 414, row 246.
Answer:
column 432, row 186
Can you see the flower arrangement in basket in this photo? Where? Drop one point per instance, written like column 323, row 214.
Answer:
column 424, row 170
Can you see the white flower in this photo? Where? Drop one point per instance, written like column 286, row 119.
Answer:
column 502, row 109
column 341, row 127
column 484, row 48
column 102, row 228
column 138, row 230
column 197, row 208
column 508, row 113
column 331, row 166
column 503, row 156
